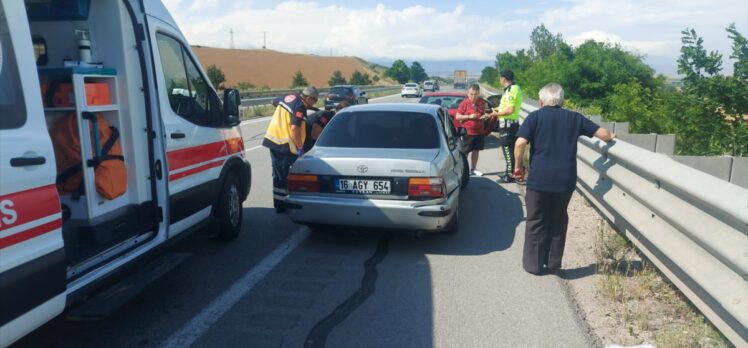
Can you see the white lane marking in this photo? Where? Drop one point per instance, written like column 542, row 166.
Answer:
column 258, row 120
column 192, row 331
column 253, row 148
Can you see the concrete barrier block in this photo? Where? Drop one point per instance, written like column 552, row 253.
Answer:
column 665, row 144
column 596, row 118
column 645, row 141
column 739, row 174
column 608, row 125
column 620, row 128
column 717, row 166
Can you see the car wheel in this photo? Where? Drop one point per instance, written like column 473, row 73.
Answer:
column 465, row 172
column 228, row 210
column 454, row 224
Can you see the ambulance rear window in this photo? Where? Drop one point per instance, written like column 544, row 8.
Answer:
column 12, row 105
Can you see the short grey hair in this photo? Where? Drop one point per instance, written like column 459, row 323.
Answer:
column 552, row 94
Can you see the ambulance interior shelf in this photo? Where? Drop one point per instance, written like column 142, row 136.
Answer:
column 92, row 177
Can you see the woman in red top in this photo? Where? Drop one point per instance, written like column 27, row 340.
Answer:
column 470, row 114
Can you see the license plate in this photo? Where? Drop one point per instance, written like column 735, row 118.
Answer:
column 380, row 187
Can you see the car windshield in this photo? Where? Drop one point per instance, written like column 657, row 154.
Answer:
column 381, row 129
column 340, row 91
column 450, row 102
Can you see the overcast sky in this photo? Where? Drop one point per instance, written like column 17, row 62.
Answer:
column 447, row 30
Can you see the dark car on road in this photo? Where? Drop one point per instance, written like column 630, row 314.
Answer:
column 352, row 94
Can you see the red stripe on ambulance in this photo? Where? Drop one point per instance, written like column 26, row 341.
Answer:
column 23, row 207
column 195, row 170
column 30, row 233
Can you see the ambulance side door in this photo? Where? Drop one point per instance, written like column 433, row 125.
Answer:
column 191, row 113
column 32, row 257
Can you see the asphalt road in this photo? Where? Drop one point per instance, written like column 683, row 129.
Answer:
column 278, row 285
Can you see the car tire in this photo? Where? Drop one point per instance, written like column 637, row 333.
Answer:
column 228, row 210
column 454, row 224
column 465, row 172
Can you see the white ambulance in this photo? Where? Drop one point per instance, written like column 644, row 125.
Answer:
column 180, row 161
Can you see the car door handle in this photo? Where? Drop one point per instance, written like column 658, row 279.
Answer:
column 178, row 135
column 27, row 161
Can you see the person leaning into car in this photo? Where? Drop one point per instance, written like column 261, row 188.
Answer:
column 285, row 138
column 553, row 133
column 317, row 121
column 470, row 113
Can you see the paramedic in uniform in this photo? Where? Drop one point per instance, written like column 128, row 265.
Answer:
column 508, row 118
column 285, row 138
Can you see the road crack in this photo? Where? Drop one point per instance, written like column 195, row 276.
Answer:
column 317, row 336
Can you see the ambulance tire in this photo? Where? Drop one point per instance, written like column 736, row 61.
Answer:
column 228, row 210
column 465, row 172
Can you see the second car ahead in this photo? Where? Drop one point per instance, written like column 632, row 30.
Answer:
column 411, row 90
column 391, row 166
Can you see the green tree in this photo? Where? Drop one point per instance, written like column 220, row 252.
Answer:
column 375, row 79
column 543, row 43
column 417, row 73
column 399, row 71
column 489, row 75
column 299, row 80
column 717, row 122
column 216, row 76
column 337, row 79
column 359, row 79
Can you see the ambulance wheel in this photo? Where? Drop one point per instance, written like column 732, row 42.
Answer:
column 465, row 172
column 228, row 210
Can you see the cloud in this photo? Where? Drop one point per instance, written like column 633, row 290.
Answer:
column 414, row 32
column 433, row 31
column 640, row 46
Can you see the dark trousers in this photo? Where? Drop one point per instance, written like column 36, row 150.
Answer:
column 281, row 161
column 545, row 230
column 507, row 137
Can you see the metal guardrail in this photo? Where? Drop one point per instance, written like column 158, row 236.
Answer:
column 265, row 97
column 691, row 225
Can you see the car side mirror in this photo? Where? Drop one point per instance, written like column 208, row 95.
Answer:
column 461, row 131
column 231, row 103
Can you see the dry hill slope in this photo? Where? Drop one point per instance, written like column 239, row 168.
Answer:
column 275, row 69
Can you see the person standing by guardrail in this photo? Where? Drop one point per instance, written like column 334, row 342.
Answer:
column 470, row 113
column 285, row 138
column 507, row 114
column 553, row 133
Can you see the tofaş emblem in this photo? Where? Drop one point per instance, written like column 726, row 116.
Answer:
column 289, row 98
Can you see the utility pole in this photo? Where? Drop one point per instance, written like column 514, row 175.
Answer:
column 231, row 33
column 264, row 39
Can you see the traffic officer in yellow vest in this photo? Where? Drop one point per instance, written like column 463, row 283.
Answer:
column 508, row 114
column 285, row 138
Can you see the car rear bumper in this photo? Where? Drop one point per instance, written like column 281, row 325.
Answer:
column 431, row 216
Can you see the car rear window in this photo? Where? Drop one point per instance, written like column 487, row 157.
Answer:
column 340, row 91
column 381, row 129
column 411, row 85
column 450, row 102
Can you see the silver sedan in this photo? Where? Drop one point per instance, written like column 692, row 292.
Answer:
column 392, row 166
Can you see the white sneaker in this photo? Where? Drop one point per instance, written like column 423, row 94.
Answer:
column 477, row 173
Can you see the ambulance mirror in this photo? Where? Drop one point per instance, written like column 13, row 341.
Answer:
column 231, row 102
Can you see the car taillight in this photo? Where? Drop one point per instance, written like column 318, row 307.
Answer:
column 420, row 188
column 302, row 183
